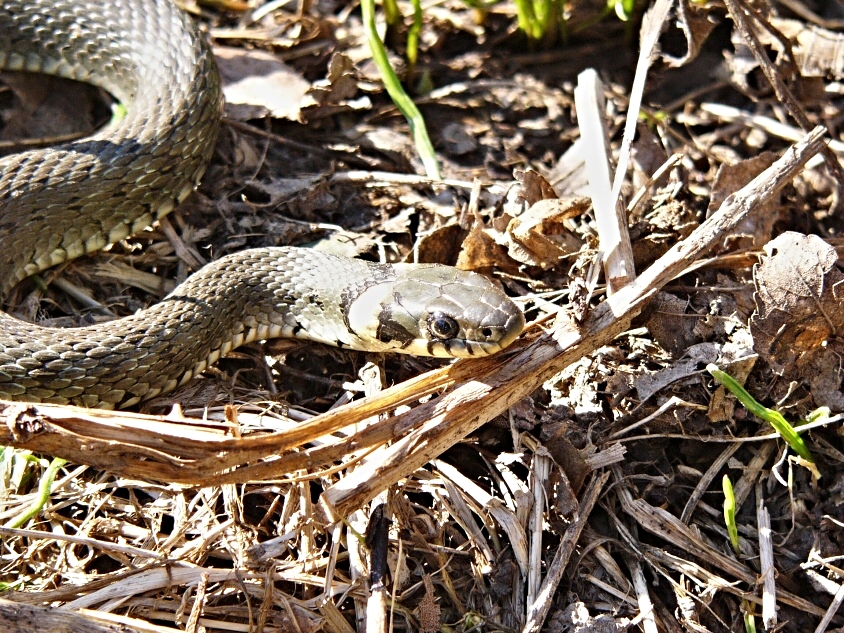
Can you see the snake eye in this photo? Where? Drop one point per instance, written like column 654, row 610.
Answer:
column 442, row 327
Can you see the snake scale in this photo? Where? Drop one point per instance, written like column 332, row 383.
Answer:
column 66, row 201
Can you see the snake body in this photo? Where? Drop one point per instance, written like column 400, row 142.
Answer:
column 62, row 202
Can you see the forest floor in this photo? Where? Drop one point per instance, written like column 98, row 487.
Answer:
column 573, row 482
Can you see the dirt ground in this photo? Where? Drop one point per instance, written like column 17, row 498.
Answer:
column 574, row 482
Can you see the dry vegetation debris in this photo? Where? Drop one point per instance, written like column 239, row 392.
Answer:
column 571, row 483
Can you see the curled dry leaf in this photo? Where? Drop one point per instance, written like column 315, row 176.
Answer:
column 669, row 324
column 695, row 21
column 535, row 187
column 539, row 237
column 335, row 93
column 480, row 250
column 441, row 246
column 798, row 302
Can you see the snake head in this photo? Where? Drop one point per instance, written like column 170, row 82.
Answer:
column 433, row 310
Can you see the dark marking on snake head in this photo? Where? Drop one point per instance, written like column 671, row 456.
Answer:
column 390, row 330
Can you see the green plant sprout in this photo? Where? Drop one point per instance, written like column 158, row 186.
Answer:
column 623, row 9
column 730, row 512
column 540, row 20
column 413, row 35
column 43, row 496
column 774, row 418
column 732, row 530
column 392, row 15
column 403, row 102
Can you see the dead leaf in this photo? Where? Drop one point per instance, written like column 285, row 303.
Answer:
column 440, row 246
column 540, row 237
column 47, row 107
column 818, row 52
column 696, row 357
column 574, row 471
column 340, row 84
column 824, row 372
column 535, row 187
column 480, row 251
column 261, row 82
column 334, row 94
column 797, row 302
column 670, row 325
column 696, row 22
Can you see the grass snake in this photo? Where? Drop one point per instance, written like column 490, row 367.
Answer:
column 66, row 201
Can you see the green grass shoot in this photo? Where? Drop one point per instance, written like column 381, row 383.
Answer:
column 774, row 418
column 732, row 531
column 730, row 512
column 44, row 487
column 394, row 88
column 540, row 20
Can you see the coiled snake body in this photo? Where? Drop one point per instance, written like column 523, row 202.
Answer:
column 63, row 202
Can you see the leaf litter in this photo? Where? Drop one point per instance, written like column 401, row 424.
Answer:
column 572, row 484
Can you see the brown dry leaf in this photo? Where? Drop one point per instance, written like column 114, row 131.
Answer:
column 260, row 83
column 797, row 302
column 328, row 96
column 480, row 251
column 670, row 326
column 818, row 52
column 695, row 22
column 568, row 481
column 756, row 229
column 440, row 246
column 824, row 375
column 535, row 187
column 539, row 237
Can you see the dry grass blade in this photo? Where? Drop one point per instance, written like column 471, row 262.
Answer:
column 22, row 618
column 766, row 561
column 539, row 609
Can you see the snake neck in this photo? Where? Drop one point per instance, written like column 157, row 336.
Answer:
column 252, row 295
